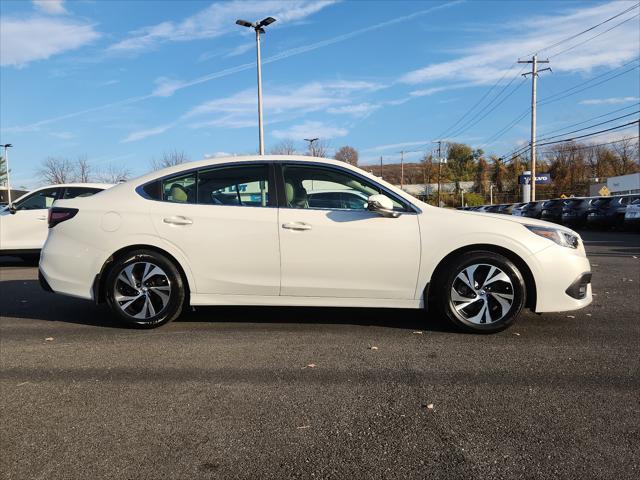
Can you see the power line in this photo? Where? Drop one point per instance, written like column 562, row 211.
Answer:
column 565, row 93
column 585, row 147
column 592, row 118
column 487, row 93
column 590, row 134
column 560, row 42
column 524, row 148
column 595, row 36
column 591, row 126
column 468, row 125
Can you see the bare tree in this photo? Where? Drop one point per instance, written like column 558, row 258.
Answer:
column 82, row 170
column 54, row 171
column 169, row 159
column 626, row 161
column 114, row 174
column 318, row 148
column 286, row 147
column 348, row 155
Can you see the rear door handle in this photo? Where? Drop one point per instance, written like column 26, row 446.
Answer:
column 42, row 218
column 296, row 226
column 178, row 220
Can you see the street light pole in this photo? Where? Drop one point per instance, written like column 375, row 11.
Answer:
column 311, row 140
column 6, row 162
column 258, row 27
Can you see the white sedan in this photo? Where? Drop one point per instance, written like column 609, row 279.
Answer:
column 23, row 224
column 241, row 231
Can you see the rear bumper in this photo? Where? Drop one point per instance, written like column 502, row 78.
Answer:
column 69, row 266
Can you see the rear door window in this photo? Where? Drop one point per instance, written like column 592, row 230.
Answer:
column 241, row 186
column 73, row 192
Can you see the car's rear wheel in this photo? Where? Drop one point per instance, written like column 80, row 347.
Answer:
column 145, row 289
column 481, row 292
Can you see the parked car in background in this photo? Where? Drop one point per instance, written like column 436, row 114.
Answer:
column 532, row 210
column 507, row 208
column 574, row 211
column 337, row 199
column 164, row 241
column 552, row 210
column 23, row 224
column 516, row 210
column 609, row 212
column 632, row 215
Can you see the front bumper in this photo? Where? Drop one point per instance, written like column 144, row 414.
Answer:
column 557, row 270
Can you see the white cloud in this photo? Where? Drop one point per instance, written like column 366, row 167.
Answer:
column 240, row 68
column 240, row 49
column 216, row 20
column 24, row 40
column 311, row 129
column 396, row 146
column 283, row 103
column 217, row 155
column 62, row 135
column 485, row 63
column 151, row 132
column 359, row 110
column 54, row 7
column 609, row 101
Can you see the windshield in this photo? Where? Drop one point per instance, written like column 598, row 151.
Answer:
column 601, row 202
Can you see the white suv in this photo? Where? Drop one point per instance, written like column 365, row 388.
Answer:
column 23, row 224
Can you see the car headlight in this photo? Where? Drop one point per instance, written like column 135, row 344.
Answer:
column 561, row 237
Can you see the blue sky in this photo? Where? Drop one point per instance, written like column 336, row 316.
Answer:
column 122, row 82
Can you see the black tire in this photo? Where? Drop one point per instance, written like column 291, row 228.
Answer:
column 460, row 317
column 156, row 308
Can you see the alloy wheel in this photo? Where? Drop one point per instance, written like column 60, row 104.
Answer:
column 482, row 294
column 142, row 290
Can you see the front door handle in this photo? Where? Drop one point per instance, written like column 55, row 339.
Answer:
column 296, row 226
column 42, row 218
column 178, row 220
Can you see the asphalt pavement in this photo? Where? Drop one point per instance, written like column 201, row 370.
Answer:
column 322, row 393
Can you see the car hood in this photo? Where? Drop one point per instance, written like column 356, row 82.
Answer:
column 515, row 219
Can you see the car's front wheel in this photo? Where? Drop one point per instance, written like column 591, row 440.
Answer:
column 481, row 292
column 145, row 289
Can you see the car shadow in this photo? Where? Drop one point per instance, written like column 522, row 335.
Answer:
column 25, row 299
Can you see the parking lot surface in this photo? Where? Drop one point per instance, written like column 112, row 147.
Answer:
column 322, row 393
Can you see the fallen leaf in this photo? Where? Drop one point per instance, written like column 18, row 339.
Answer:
column 571, row 316
column 516, row 334
column 418, row 333
column 428, row 406
column 311, row 365
column 634, row 256
column 588, row 314
column 48, row 339
column 595, row 265
column 373, row 348
column 303, row 426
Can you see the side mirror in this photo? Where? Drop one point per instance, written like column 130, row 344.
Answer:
column 12, row 209
column 383, row 205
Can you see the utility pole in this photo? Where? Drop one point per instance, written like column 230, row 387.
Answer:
column 401, row 169
column 534, row 80
column 381, row 167
column 440, row 162
column 6, row 163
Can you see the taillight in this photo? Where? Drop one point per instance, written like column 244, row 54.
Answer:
column 60, row 214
